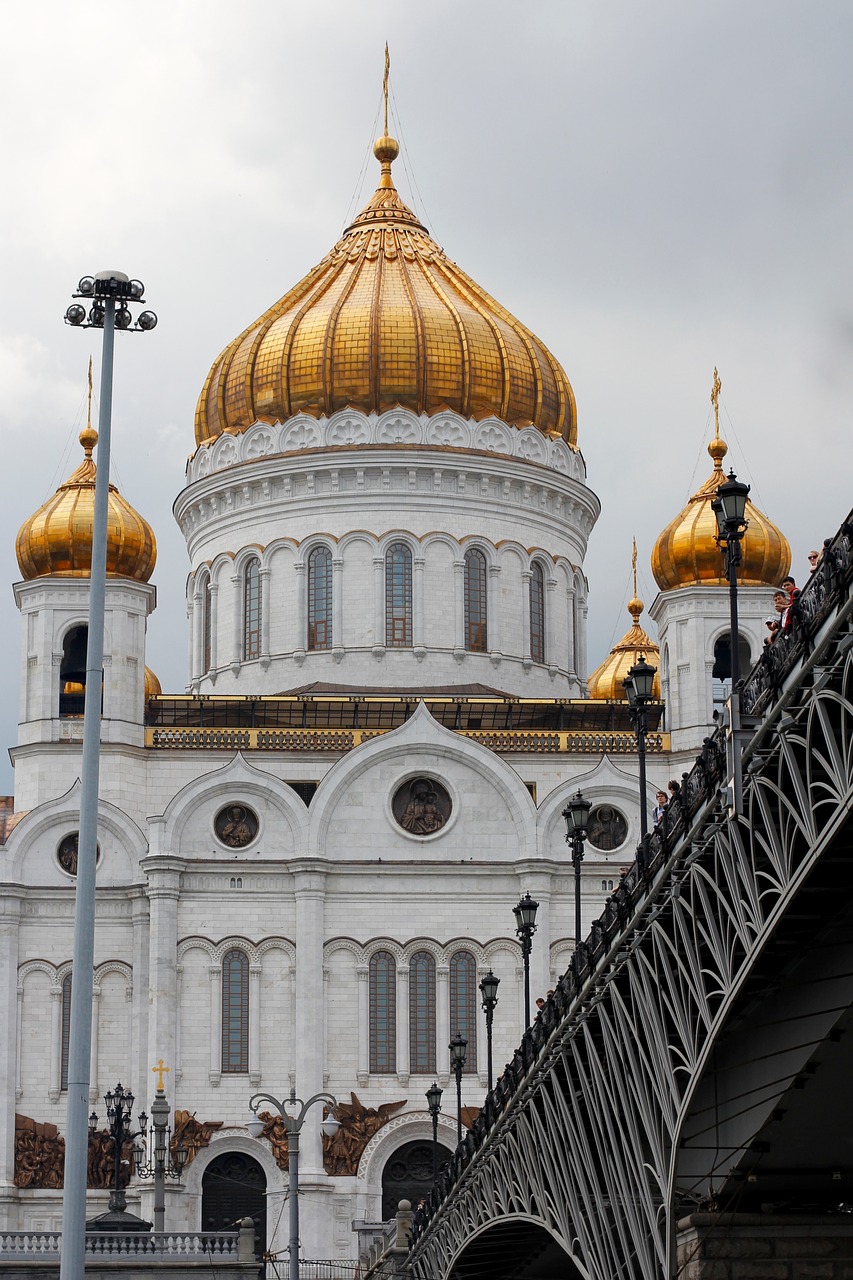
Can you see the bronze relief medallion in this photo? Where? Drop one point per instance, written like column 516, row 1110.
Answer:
column 66, row 853
column 236, row 825
column 421, row 806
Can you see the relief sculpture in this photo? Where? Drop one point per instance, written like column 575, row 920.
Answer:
column 102, row 1161
column 191, row 1133
column 342, row 1152
column 39, row 1154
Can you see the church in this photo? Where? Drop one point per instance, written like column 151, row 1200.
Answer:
column 308, row 859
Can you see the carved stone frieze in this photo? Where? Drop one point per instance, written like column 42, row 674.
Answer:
column 343, row 1151
column 191, row 1133
column 39, row 1154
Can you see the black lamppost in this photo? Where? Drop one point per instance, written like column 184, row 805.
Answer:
column 525, row 927
column 729, row 507
column 433, row 1097
column 576, row 815
column 639, row 685
column 293, row 1127
column 154, row 1158
column 489, row 991
column 119, row 1103
column 458, row 1054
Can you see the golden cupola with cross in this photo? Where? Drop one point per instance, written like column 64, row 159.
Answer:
column 387, row 320
column 686, row 552
column 608, row 679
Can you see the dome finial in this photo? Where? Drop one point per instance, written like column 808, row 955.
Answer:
column 718, row 447
column 386, row 149
column 635, row 605
column 88, row 436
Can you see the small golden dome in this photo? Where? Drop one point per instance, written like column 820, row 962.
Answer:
column 386, row 320
column 57, row 540
column 608, row 680
column 152, row 684
column 686, row 553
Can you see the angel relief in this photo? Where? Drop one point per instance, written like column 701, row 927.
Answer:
column 342, row 1153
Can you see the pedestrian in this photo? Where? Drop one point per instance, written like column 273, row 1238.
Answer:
column 814, row 560
column 662, row 800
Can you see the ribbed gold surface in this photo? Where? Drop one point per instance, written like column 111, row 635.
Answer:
column 608, row 680
column 686, row 553
column 386, row 320
column 152, row 684
column 57, row 540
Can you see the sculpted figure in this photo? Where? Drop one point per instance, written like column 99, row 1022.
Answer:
column 422, row 815
column 341, row 1153
column 191, row 1133
column 276, row 1135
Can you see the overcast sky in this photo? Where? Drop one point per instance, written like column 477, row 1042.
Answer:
column 653, row 189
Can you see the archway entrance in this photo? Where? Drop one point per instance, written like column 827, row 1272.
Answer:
column 408, row 1175
column 233, row 1187
column 514, row 1250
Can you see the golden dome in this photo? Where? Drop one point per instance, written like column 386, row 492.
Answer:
column 608, row 680
column 152, row 684
column 686, row 553
column 57, row 540
column 386, row 320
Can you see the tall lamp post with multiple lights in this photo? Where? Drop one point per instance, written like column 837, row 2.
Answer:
column 576, row 815
column 489, row 991
column 433, row 1097
column 119, row 1103
column 154, row 1158
column 525, row 927
column 458, row 1054
column 729, row 507
column 293, row 1127
column 107, row 295
column 639, row 686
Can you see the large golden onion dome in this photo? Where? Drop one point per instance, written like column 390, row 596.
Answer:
column 686, row 553
column 57, row 540
column 608, row 680
column 386, row 320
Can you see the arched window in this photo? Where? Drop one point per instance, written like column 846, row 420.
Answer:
column 252, row 610
column 72, row 672
column 537, row 613
column 383, row 1013
column 476, row 637
column 463, row 1003
column 320, row 598
column 65, row 1038
column 235, row 1012
column 723, row 656
column 422, row 1014
column 206, row 623
column 398, row 596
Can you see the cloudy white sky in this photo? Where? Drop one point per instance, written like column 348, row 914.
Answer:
column 654, row 189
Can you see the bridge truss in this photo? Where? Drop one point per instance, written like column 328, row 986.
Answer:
column 614, row 1120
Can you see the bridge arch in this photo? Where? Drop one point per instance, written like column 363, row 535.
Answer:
column 515, row 1246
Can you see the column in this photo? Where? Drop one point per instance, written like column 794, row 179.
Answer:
column 254, row 1024
column 571, row 658
column 139, row 996
column 443, row 1029
column 214, row 622
column 551, row 632
column 301, row 611
column 378, row 605
column 214, row 1070
column 363, row 975
column 583, row 667
column 403, row 1023
column 526, row 579
column 338, row 607
column 459, row 609
column 55, row 1087
column 494, row 614
column 19, row 1027
column 96, row 1025
column 310, row 895
column 418, row 607
column 194, row 614
column 10, row 918
column 264, row 588
column 162, row 892
column 236, row 622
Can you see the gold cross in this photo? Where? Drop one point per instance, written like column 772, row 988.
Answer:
column 715, row 401
column 158, row 1071
column 385, row 84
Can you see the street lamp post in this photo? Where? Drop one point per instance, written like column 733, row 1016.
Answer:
column 154, row 1158
column 293, row 1128
column 525, row 927
column 433, row 1097
column 489, row 991
column 729, row 507
column 109, row 292
column 119, row 1103
column 576, row 815
column 639, row 686
column 458, row 1054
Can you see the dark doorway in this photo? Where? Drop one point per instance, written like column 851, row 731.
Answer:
column 723, row 657
column 234, row 1187
column 408, row 1175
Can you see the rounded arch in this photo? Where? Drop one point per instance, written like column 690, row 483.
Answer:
column 501, row 1248
column 252, row 551
column 221, row 566
column 383, row 944
column 122, row 843
column 399, row 1130
column 279, row 546
column 604, row 783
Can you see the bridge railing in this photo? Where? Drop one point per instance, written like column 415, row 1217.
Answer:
column 827, row 589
